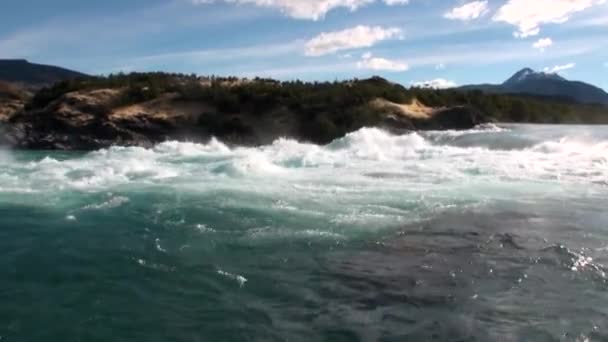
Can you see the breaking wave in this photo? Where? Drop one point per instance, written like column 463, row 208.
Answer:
column 367, row 178
column 416, row 158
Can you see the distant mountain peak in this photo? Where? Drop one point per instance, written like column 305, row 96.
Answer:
column 527, row 74
column 545, row 84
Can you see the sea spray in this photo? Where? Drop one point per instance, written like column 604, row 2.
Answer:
column 5, row 156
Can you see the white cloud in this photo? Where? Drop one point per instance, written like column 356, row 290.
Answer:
column 396, row 2
column 453, row 55
column 438, row 83
column 353, row 38
column 440, row 66
column 529, row 15
column 468, row 11
column 558, row 68
column 542, row 44
column 306, row 9
column 380, row 64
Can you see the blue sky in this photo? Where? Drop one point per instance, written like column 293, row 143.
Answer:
column 451, row 42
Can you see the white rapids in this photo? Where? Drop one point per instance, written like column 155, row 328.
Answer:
column 369, row 176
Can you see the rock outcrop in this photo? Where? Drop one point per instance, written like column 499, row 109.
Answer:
column 12, row 99
column 8, row 108
column 89, row 120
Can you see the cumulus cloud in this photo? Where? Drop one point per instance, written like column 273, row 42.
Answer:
column 469, row 11
column 559, row 68
column 305, row 9
column 438, row 83
column 352, row 38
column 368, row 61
column 542, row 44
column 528, row 15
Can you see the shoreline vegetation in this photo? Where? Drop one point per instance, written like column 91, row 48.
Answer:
column 141, row 109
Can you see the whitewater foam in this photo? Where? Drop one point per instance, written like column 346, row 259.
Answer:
column 455, row 223
column 368, row 176
column 202, row 228
column 112, row 203
column 236, row 277
column 158, row 246
column 411, row 156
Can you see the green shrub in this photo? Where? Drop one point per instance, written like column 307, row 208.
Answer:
column 338, row 100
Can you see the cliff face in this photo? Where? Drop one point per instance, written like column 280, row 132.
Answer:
column 79, row 121
column 88, row 120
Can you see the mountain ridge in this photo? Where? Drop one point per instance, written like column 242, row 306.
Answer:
column 529, row 82
column 527, row 74
column 33, row 75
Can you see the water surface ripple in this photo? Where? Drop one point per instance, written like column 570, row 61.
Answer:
column 492, row 234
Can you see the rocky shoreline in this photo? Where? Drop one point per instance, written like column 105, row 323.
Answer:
column 99, row 118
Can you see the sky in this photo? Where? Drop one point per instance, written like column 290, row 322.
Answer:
column 438, row 43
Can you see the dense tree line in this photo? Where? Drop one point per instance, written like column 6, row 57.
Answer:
column 517, row 108
column 327, row 105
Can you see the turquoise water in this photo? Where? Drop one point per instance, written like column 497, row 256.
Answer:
column 498, row 233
